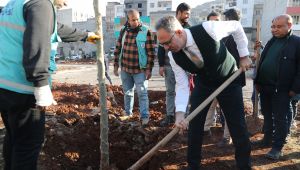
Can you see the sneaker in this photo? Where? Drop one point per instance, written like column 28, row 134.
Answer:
column 274, row 154
column 168, row 120
column 263, row 142
column 126, row 117
column 145, row 121
column 224, row 142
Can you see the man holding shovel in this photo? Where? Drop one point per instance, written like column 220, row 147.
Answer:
column 198, row 50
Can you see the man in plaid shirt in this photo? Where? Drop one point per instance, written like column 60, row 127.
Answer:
column 135, row 54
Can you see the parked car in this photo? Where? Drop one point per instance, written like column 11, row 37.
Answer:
column 75, row 57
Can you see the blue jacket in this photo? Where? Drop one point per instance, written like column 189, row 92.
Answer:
column 12, row 28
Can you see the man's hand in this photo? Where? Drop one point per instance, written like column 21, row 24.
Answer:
column 292, row 93
column 93, row 38
column 180, row 122
column 258, row 88
column 162, row 71
column 245, row 63
column 257, row 45
column 116, row 71
column 43, row 96
column 148, row 74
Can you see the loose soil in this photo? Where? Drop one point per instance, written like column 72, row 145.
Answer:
column 72, row 136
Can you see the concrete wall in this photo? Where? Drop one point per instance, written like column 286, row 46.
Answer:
column 64, row 16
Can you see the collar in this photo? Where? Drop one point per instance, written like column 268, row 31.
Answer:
column 189, row 38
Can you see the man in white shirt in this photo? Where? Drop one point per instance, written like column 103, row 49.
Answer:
column 198, row 50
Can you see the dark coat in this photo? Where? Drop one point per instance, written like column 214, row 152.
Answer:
column 288, row 69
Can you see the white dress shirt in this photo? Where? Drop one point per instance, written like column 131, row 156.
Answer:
column 217, row 30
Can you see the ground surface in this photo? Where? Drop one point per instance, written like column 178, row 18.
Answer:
column 72, row 135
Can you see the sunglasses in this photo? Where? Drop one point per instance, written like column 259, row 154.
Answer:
column 167, row 42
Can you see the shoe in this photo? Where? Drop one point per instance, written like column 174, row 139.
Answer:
column 263, row 142
column 145, row 121
column 274, row 154
column 168, row 120
column 126, row 117
column 207, row 133
column 224, row 142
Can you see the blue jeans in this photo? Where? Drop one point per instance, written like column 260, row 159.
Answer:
column 276, row 110
column 141, row 84
column 170, row 83
column 231, row 102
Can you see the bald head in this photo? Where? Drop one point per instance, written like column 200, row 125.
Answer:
column 285, row 17
column 281, row 25
column 133, row 18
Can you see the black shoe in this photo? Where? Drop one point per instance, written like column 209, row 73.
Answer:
column 224, row 142
column 274, row 154
column 168, row 120
column 265, row 142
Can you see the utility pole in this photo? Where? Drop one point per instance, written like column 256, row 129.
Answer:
column 104, row 145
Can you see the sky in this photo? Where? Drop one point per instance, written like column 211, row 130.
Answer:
column 87, row 5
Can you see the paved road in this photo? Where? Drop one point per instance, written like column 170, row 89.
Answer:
column 87, row 74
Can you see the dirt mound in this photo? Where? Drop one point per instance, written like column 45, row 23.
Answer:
column 72, row 135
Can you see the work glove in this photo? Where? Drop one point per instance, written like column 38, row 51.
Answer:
column 92, row 37
column 180, row 122
column 43, row 96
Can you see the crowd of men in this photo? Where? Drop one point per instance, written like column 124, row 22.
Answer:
column 195, row 61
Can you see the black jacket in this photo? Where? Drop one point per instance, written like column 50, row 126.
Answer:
column 288, row 72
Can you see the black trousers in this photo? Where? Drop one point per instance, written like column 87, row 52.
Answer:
column 276, row 107
column 231, row 102
column 25, row 128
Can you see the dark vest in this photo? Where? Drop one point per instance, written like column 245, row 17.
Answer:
column 232, row 48
column 219, row 64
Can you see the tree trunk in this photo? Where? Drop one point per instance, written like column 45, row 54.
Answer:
column 256, row 110
column 104, row 145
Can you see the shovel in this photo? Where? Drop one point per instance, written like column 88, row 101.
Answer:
column 167, row 138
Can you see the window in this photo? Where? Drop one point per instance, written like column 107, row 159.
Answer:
column 296, row 19
column 244, row 21
column 129, row 6
column 257, row 12
column 244, row 10
column 294, row 3
column 152, row 5
column 140, row 13
column 245, row 1
column 140, row 5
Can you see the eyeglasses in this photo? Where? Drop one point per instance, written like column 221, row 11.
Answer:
column 167, row 42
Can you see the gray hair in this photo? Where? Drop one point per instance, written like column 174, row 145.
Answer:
column 168, row 23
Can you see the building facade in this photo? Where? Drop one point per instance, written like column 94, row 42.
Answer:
column 140, row 5
column 158, row 5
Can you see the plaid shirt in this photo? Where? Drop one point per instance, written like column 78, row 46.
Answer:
column 130, row 58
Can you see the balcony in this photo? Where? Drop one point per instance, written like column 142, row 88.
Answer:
column 294, row 3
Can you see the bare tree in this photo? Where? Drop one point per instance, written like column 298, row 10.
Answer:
column 104, row 145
